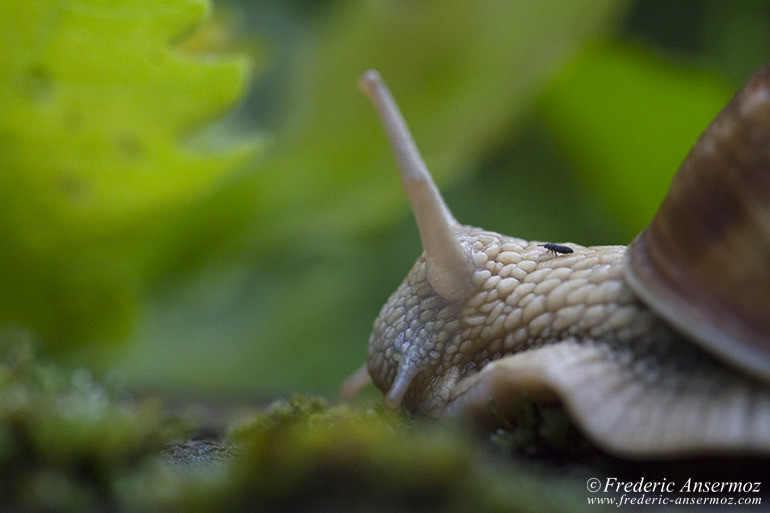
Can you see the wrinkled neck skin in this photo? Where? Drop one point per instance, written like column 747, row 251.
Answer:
column 524, row 297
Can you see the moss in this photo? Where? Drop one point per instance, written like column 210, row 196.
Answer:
column 70, row 443
column 539, row 430
column 66, row 440
column 303, row 454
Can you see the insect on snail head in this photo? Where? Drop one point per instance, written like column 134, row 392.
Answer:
column 556, row 248
column 483, row 317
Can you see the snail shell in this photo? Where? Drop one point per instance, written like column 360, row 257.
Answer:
column 703, row 264
column 661, row 349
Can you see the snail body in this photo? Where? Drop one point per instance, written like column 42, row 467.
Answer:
column 654, row 351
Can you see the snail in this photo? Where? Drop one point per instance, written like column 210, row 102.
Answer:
column 656, row 350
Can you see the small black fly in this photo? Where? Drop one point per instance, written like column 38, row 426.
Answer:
column 556, row 248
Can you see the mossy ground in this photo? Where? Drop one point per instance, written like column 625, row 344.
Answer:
column 71, row 443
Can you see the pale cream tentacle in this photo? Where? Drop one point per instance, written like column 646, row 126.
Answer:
column 449, row 268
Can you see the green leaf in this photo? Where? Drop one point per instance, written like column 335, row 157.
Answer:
column 627, row 118
column 100, row 155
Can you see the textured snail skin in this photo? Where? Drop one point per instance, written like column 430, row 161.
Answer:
column 525, row 298
column 563, row 328
column 522, row 320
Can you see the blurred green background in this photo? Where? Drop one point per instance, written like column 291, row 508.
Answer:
column 200, row 201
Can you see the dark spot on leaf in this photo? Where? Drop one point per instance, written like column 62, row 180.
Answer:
column 73, row 187
column 36, row 83
column 130, row 146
